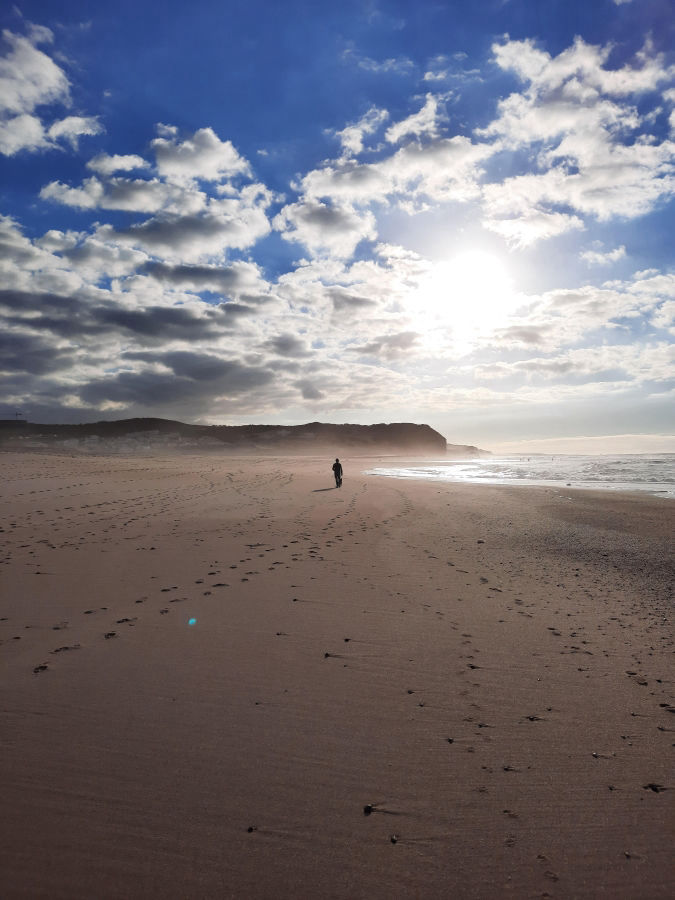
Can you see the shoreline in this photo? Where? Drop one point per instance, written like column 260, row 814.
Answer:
column 440, row 472
column 488, row 669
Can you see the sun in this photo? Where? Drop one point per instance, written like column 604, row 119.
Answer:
column 464, row 297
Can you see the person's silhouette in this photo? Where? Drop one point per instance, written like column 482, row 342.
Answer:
column 337, row 471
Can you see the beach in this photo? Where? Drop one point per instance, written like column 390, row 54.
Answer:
column 225, row 677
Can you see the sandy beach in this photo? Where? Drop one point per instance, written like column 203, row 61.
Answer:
column 223, row 677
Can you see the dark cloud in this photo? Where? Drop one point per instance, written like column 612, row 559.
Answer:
column 389, row 346
column 160, row 322
column 72, row 317
column 207, row 367
column 524, row 334
column 193, row 377
column 164, row 232
column 309, row 390
column 30, row 301
column 28, row 353
column 343, row 299
column 69, row 328
column 219, row 278
column 287, row 345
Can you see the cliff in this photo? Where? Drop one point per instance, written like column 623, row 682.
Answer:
column 129, row 435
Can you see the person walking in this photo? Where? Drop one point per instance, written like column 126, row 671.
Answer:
column 337, row 471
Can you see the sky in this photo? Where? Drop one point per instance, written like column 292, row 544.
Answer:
column 457, row 213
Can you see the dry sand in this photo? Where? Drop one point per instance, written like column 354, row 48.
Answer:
column 396, row 689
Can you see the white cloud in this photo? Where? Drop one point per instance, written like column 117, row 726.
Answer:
column 439, row 75
column 94, row 259
column 55, row 240
column 443, row 170
column 206, row 234
column 652, row 362
column 166, row 131
column 23, row 132
column 30, row 79
column 530, row 226
column 560, row 318
column 351, row 137
column 389, row 346
column 133, row 195
column 324, row 228
column 600, row 258
column 581, row 66
column 393, row 66
column 423, row 122
column 203, row 155
column 664, row 316
column 73, row 127
column 105, row 164
column 595, row 154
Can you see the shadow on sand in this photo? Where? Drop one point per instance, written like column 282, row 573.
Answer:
column 318, row 490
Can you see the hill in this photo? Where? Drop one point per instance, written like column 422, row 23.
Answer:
column 142, row 435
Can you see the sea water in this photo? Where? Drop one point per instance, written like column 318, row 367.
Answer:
column 626, row 472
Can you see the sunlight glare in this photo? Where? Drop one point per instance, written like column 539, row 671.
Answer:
column 464, row 297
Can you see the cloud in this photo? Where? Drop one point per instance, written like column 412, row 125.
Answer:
column 664, row 316
column 593, row 148
column 21, row 133
column 608, row 363
column 444, row 170
column 390, row 346
column 323, row 228
column 105, row 164
column 117, row 318
column 73, row 127
column 531, row 226
column 22, row 352
column 401, row 65
column 230, row 223
column 423, row 122
column 561, row 317
column 344, row 300
column 187, row 383
column 599, row 258
column 233, row 280
column 287, row 345
column 132, row 195
column 309, row 390
column 443, row 68
column 30, row 79
column 93, row 259
column 207, row 367
column 202, row 155
column 352, row 136
column 174, row 191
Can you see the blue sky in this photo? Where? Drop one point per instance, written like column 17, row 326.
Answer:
column 453, row 213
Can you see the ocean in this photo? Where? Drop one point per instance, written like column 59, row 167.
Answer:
column 654, row 473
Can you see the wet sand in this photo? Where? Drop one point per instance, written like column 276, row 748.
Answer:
column 395, row 689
